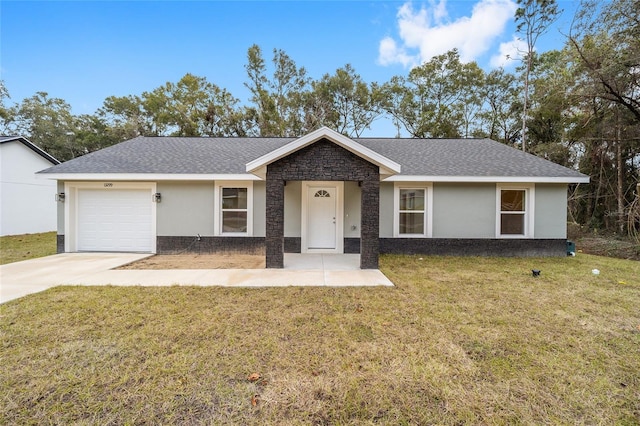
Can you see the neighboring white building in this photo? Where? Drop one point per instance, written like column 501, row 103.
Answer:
column 27, row 204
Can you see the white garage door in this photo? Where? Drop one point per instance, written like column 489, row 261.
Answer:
column 114, row 220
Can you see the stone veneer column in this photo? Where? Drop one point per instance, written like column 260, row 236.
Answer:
column 274, row 241
column 370, row 224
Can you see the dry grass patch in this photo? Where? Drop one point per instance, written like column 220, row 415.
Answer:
column 198, row 261
column 14, row 248
column 457, row 341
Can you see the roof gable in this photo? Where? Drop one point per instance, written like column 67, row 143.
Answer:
column 387, row 167
column 24, row 141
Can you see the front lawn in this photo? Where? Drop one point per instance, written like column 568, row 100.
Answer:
column 457, row 341
column 14, row 248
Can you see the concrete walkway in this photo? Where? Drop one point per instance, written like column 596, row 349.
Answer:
column 31, row 276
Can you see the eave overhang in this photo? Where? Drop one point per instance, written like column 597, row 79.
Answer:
column 137, row 177
column 489, row 179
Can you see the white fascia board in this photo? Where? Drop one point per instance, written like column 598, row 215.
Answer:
column 335, row 137
column 144, row 177
column 499, row 179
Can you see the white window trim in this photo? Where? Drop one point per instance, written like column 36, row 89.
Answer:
column 217, row 206
column 428, row 212
column 529, row 209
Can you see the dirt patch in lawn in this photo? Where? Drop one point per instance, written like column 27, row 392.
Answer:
column 199, row 261
column 610, row 247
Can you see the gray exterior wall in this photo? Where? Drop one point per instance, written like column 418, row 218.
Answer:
column 550, row 211
column 60, row 210
column 463, row 214
column 293, row 209
column 259, row 207
column 464, row 210
column 352, row 209
column 186, row 209
column 386, row 209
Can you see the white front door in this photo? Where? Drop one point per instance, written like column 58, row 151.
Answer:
column 323, row 224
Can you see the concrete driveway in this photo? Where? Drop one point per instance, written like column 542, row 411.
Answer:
column 31, row 276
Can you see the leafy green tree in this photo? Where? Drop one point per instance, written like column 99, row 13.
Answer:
column 351, row 104
column 501, row 113
column 605, row 42
column 6, row 113
column 278, row 103
column 124, row 117
column 91, row 133
column 197, row 107
column 48, row 123
column 438, row 99
column 191, row 107
column 606, row 39
column 155, row 105
column 550, row 107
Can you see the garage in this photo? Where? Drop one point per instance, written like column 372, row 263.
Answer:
column 114, row 220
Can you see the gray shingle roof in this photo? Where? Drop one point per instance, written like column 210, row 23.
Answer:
column 425, row 157
column 464, row 157
column 173, row 156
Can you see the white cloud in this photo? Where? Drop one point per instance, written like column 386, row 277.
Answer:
column 389, row 53
column 439, row 10
column 428, row 32
column 509, row 54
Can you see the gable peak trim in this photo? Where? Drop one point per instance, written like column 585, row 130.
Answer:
column 387, row 167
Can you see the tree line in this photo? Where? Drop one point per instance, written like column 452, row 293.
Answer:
column 578, row 106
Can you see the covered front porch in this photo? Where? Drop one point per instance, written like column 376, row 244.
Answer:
column 323, row 161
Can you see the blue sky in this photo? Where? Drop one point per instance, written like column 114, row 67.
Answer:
column 84, row 51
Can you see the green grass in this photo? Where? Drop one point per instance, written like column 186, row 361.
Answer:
column 14, row 248
column 457, row 341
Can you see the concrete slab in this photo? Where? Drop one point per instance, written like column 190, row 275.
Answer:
column 317, row 261
column 32, row 276
column 35, row 275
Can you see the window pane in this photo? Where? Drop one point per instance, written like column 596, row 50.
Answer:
column 411, row 223
column 234, row 221
column 512, row 200
column 234, row 198
column 512, row 224
column 412, row 199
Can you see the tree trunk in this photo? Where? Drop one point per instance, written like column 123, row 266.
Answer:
column 620, row 176
column 526, row 99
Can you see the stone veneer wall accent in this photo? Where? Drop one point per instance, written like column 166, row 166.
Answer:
column 352, row 245
column 474, row 247
column 59, row 243
column 424, row 246
column 210, row 245
column 322, row 161
column 274, row 239
column 292, row 244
